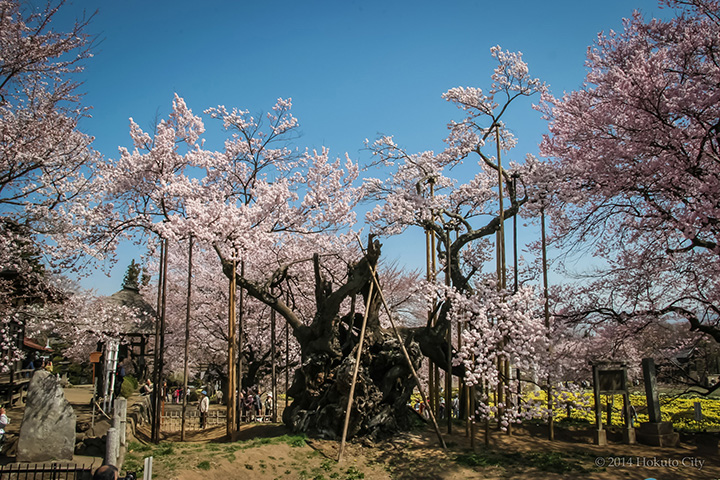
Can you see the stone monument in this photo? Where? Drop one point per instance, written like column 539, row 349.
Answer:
column 48, row 426
column 655, row 432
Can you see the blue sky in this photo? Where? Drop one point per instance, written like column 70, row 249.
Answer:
column 353, row 69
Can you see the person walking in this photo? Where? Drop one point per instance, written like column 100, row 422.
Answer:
column 203, row 407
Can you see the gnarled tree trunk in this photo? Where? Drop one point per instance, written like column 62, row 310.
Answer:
column 321, row 385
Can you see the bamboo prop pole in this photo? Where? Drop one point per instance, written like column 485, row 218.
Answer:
column 376, row 282
column 186, row 369
column 355, row 373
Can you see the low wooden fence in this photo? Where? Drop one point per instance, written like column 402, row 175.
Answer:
column 54, row 471
column 172, row 420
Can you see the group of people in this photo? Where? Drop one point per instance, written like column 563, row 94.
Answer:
column 169, row 395
column 251, row 405
column 422, row 408
column 249, row 401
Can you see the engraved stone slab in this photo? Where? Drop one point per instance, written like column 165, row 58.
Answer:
column 48, row 427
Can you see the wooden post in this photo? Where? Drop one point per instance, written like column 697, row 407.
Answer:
column 240, row 318
column 287, row 361
column 186, row 370
column 551, row 419
column 502, row 363
column 448, row 339
column 160, row 344
column 429, row 254
column 156, row 360
column 273, row 403
column 231, row 410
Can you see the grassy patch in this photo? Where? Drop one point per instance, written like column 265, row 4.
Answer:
column 353, row 473
column 551, row 462
column 545, row 461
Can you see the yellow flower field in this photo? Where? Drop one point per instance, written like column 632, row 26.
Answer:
column 679, row 411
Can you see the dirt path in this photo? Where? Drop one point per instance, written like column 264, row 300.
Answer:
column 263, row 455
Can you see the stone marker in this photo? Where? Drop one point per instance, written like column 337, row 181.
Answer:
column 48, row 425
column 655, row 432
column 651, row 392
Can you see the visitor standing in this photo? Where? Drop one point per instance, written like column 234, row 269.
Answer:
column 4, row 420
column 258, row 406
column 203, row 407
column 269, row 407
column 147, row 388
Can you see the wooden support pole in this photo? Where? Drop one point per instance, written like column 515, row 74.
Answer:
column 239, row 335
column 160, row 343
column 186, row 370
column 273, row 389
column 407, row 355
column 231, row 403
column 287, row 360
column 355, row 372
column 448, row 339
column 551, row 419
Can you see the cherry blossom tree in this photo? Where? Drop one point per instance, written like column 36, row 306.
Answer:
column 208, row 321
column 283, row 220
column 636, row 151
column 46, row 163
column 463, row 218
column 292, row 229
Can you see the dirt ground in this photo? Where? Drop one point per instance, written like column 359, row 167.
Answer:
column 525, row 455
column 263, row 451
